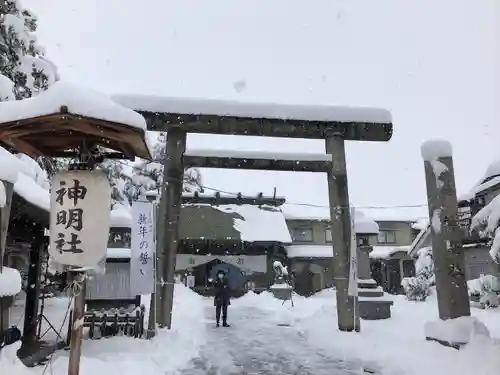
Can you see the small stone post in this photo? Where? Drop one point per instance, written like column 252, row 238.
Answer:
column 347, row 311
column 447, row 251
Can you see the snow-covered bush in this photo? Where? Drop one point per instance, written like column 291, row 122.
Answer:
column 418, row 288
column 486, row 222
column 485, row 291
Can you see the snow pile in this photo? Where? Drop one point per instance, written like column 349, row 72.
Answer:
column 460, row 330
column 10, row 363
column 420, row 224
column 484, row 291
column 385, row 252
column 10, row 282
column 485, row 282
column 169, row 351
column 79, row 101
column 397, row 346
column 363, row 223
column 121, row 216
column 486, row 221
column 435, row 149
column 195, row 106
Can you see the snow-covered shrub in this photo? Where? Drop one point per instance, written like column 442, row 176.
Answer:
column 418, row 288
column 486, row 222
column 485, row 291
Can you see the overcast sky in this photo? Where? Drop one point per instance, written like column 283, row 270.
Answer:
column 435, row 65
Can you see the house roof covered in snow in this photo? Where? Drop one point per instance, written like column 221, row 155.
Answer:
column 362, row 223
column 489, row 181
column 232, row 222
column 385, row 252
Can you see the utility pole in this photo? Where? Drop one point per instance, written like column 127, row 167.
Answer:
column 347, row 311
column 447, row 251
column 170, row 209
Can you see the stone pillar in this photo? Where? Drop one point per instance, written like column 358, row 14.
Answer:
column 447, row 251
column 170, row 208
column 347, row 311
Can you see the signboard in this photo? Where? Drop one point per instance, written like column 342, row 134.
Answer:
column 142, row 254
column 352, row 288
column 246, row 263
column 79, row 218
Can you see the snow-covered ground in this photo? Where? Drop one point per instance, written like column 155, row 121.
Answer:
column 166, row 353
column 260, row 342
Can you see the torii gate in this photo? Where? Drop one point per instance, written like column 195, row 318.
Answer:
column 333, row 124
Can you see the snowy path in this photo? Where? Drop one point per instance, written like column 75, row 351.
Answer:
column 255, row 345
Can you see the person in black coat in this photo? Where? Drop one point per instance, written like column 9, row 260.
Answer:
column 222, row 298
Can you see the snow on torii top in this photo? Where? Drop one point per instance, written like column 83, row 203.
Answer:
column 79, row 101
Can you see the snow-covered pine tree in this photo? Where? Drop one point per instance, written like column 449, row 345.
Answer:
column 148, row 175
column 22, row 60
column 6, row 89
column 21, row 57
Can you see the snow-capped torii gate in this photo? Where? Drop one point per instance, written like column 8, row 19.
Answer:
column 333, row 124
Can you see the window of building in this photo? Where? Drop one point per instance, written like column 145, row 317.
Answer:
column 328, row 235
column 386, row 237
column 119, row 238
column 302, row 235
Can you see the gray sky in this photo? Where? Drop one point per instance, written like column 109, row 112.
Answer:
column 435, row 65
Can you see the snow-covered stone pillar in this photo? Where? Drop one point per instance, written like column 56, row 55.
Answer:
column 168, row 235
column 347, row 309
column 447, row 251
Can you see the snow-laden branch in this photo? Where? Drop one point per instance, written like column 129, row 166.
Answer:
column 486, row 222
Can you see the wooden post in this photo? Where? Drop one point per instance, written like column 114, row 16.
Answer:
column 77, row 323
column 447, row 251
column 347, row 311
column 4, row 226
column 173, row 171
column 33, row 286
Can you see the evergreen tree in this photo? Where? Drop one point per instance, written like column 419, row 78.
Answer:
column 148, row 175
column 22, row 61
column 21, row 58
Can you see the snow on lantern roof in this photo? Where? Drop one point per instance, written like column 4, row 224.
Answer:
column 309, row 251
column 216, row 107
column 79, row 101
column 384, row 252
column 362, row 223
column 59, row 120
column 10, row 282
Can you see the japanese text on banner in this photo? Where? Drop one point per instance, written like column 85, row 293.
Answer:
column 142, row 249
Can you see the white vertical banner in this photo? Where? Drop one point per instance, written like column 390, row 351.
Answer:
column 352, row 289
column 142, row 272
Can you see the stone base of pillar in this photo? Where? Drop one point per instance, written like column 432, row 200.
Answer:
column 371, row 301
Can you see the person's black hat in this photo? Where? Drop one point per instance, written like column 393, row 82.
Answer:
column 221, row 272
